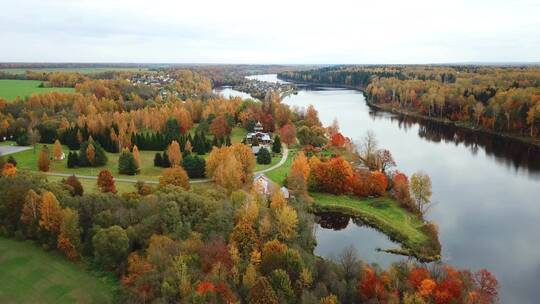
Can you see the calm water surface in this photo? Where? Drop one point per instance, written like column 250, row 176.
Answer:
column 485, row 189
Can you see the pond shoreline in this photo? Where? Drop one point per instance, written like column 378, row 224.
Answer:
column 428, row 250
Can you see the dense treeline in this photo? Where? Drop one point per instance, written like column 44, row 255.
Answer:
column 228, row 242
column 172, row 245
column 500, row 99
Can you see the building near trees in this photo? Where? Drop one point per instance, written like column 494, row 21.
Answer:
column 259, row 139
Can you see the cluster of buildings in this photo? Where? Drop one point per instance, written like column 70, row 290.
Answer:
column 154, row 80
column 258, row 139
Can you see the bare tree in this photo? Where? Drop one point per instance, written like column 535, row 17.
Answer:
column 421, row 190
column 368, row 150
column 33, row 138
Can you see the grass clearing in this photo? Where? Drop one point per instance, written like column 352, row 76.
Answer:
column 31, row 275
column 90, row 185
column 280, row 174
column 28, row 160
column 10, row 89
column 384, row 214
column 275, row 159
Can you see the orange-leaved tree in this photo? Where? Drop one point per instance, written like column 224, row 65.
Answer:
column 334, row 176
column 175, row 176
column 57, row 150
column 105, row 182
column 70, row 235
column 50, row 213
column 174, row 153
column 43, row 159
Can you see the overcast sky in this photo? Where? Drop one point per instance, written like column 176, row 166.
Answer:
column 292, row 31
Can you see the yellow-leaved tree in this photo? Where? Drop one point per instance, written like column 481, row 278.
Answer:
column 50, row 213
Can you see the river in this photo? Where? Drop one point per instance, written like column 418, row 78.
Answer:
column 485, row 191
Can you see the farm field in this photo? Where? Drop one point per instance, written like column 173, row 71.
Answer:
column 10, row 89
column 32, row 275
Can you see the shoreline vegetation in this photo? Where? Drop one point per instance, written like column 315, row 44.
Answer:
column 385, row 215
column 392, row 108
column 415, row 239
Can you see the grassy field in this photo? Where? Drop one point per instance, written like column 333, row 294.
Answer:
column 28, row 274
column 90, row 185
column 386, row 215
column 10, row 89
column 19, row 71
column 28, row 160
column 279, row 174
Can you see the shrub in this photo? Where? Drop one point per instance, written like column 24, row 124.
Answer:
column 194, row 165
column 12, row 160
column 264, row 157
column 75, row 185
column 175, row 176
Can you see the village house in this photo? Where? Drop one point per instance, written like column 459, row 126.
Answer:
column 258, row 139
column 267, row 187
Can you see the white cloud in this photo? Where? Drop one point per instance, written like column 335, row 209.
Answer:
column 237, row 31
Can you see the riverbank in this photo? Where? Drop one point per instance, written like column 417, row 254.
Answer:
column 462, row 125
column 416, row 237
column 390, row 108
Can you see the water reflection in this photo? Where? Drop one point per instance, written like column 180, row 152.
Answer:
column 506, row 151
column 334, row 221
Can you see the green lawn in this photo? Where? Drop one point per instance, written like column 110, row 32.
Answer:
column 10, row 89
column 279, row 174
column 275, row 160
column 386, row 215
column 238, row 135
column 28, row 160
column 28, row 274
column 90, row 185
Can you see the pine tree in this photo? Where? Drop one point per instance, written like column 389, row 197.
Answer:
column 166, row 162
column 276, row 146
column 194, row 166
column 73, row 160
column 158, row 160
column 99, row 156
column 127, row 164
column 264, row 157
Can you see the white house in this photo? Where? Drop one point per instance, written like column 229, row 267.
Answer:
column 267, row 187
